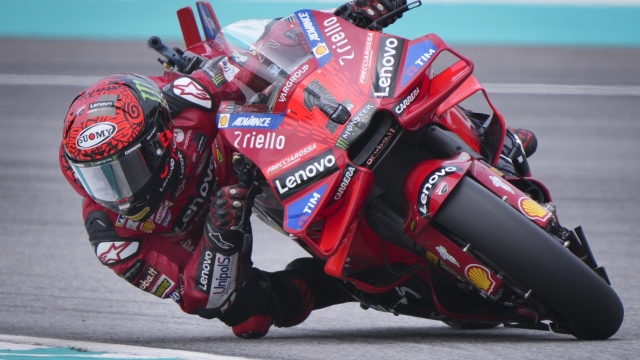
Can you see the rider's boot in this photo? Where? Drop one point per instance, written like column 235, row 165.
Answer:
column 527, row 139
column 519, row 144
column 267, row 299
column 301, row 287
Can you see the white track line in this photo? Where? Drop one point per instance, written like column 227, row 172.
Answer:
column 548, row 89
column 72, row 80
column 117, row 349
column 517, row 89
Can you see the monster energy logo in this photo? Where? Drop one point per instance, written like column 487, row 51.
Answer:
column 149, row 92
column 356, row 125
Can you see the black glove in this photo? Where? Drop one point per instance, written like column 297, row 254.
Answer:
column 227, row 207
column 363, row 12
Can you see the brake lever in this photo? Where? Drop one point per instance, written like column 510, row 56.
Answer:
column 399, row 11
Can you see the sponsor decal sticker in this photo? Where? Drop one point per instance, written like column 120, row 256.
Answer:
column 315, row 39
column 338, row 39
column 356, row 126
column 292, row 159
column 390, row 50
column 299, row 212
column 162, row 211
column 171, row 167
column 291, row 81
column 203, row 161
column 186, row 143
column 178, row 134
column 391, row 133
column 95, row 135
column 201, row 141
column 443, row 188
column 215, row 74
column 223, row 120
column 223, row 279
column 366, row 59
column 239, row 58
column 139, row 215
column 167, row 219
column 203, row 272
column 444, row 254
column 311, row 171
column 252, row 140
column 191, row 91
column 132, row 273
column 132, row 225
column 347, row 175
column 219, row 156
column 120, row 221
column 250, row 121
column 432, row 183
column 113, row 252
column 480, row 277
column 418, row 56
column 147, row 278
column 497, row 182
column 229, row 71
column 148, row 226
column 533, row 210
column 101, row 104
column 162, row 286
column 177, row 293
column 404, row 104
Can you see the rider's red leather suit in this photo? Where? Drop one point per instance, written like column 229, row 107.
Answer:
column 167, row 255
column 162, row 254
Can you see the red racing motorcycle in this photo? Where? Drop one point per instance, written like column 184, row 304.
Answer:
column 363, row 155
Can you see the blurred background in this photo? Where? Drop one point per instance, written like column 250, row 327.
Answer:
column 569, row 70
column 497, row 22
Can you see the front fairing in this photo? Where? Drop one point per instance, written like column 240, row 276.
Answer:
column 313, row 188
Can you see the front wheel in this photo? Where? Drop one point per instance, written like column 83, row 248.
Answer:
column 581, row 300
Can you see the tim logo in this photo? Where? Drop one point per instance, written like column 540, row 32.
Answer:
column 95, row 135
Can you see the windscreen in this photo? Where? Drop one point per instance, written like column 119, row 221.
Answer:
column 269, row 51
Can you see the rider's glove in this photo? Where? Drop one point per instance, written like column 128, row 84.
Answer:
column 363, row 12
column 227, row 207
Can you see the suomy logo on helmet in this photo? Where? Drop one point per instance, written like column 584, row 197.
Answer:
column 95, row 135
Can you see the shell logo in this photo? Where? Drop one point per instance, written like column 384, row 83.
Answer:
column 147, row 226
column 533, row 210
column 480, row 277
column 321, row 50
column 224, row 121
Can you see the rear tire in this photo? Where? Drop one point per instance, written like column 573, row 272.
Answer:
column 584, row 301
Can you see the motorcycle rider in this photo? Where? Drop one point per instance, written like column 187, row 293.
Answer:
column 164, row 198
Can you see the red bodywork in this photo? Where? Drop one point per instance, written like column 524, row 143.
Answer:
column 375, row 72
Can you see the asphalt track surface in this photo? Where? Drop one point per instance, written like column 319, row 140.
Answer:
column 51, row 284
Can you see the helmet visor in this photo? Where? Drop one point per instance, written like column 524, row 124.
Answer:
column 116, row 180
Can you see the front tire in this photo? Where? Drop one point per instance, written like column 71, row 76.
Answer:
column 586, row 304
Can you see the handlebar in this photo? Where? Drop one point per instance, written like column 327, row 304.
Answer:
column 173, row 58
